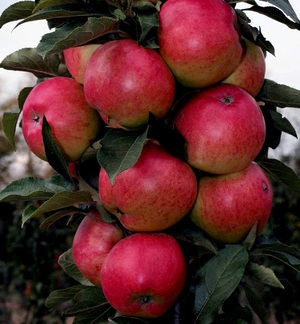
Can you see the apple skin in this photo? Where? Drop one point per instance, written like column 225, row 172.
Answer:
column 224, row 129
column 154, row 194
column 126, row 81
column 228, row 206
column 144, row 274
column 250, row 73
column 74, row 124
column 76, row 59
column 212, row 49
column 92, row 242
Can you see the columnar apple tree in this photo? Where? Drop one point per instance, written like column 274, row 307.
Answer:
column 157, row 119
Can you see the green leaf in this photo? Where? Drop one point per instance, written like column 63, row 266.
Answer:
column 260, row 273
column 287, row 255
column 28, row 60
column 256, row 302
column 275, row 14
column 53, row 153
column 90, row 306
column 50, row 220
column 120, row 150
column 147, row 18
column 286, row 7
column 280, row 95
column 16, row 11
column 282, row 123
column 71, row 35
column 119, row 319
column 67, row 263
column 23, row 95
column 252, row 33
column 57, row 297
column 59, row 201
column 9, row 125
column 61, row 11
column 218, row 279
column 280, row 171
column 49, row 3
column 30, row 188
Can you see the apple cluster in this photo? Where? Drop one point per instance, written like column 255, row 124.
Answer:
column 140, row 268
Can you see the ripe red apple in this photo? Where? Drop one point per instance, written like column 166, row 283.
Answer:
column 224, row 129
column 144, row 274
column 76, row 59
column 250, row 73
column 74, row 124
column 92, row 242
column 154, row 194
column 228, row 206
column 199, row 40
column 126, row 82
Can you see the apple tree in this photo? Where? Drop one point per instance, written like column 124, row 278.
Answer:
column 157, row 120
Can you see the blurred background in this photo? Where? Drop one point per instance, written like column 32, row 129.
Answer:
column 28, row 257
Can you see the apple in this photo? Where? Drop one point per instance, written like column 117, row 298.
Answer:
column 76, row 59
column 93, row 240
column 74, row 124
column 250, row 73
column 154, row 194
column 199, row 41
column 229, row 206
column 224, row 129
column 144, row 274
column 126, row 82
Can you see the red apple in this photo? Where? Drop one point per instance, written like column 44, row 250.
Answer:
column 224, row 129
column 126, row 82
column 154, row 194
column 74, row 124
column 144, row 274
column 92, row 242
column 250, row 73
column 228, row 206
column 199, row 41
column 76, row 59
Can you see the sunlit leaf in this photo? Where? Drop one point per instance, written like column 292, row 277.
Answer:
column 67, row 263
column 218, row 278
column 120, row 150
